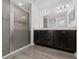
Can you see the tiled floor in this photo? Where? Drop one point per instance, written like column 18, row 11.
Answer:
column 39, row 52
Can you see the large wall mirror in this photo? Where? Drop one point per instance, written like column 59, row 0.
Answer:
column 60, row 20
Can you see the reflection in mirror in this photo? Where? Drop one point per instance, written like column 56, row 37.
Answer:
column 72, row 15
column 51, row 23
column 58, row 20
column 61, row 20
column 45, row 22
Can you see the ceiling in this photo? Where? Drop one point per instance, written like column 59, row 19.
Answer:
column 50, row 6
column 46, row 7
column 25, row 4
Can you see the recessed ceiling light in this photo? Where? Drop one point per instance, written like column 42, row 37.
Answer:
column 59, row 8
column 62, row 7
column 67, row 5
column 45, row 12
column 20, row 4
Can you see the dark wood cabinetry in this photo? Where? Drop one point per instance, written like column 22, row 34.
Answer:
column 60, row 39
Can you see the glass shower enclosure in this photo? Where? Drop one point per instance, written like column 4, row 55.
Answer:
column 15, row 26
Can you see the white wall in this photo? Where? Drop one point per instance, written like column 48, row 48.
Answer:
column 36, row 18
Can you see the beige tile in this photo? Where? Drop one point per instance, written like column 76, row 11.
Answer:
column 39, row 52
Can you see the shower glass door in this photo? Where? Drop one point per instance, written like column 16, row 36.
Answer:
column 15, row 27
column 21, row 29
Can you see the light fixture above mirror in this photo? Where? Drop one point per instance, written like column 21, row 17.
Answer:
column 20, row 4
column 63, row 7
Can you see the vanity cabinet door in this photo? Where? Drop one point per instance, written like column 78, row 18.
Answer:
column 55, row 40
column 70, row 40
column 41, row 37
column 38, row 36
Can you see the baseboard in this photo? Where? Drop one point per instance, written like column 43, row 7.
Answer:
column 75, row 54
column 16, row 51
column 32, row 44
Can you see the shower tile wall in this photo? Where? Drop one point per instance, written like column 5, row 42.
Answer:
column 5, row 27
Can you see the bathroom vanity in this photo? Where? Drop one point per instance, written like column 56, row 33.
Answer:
column 58, row 39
